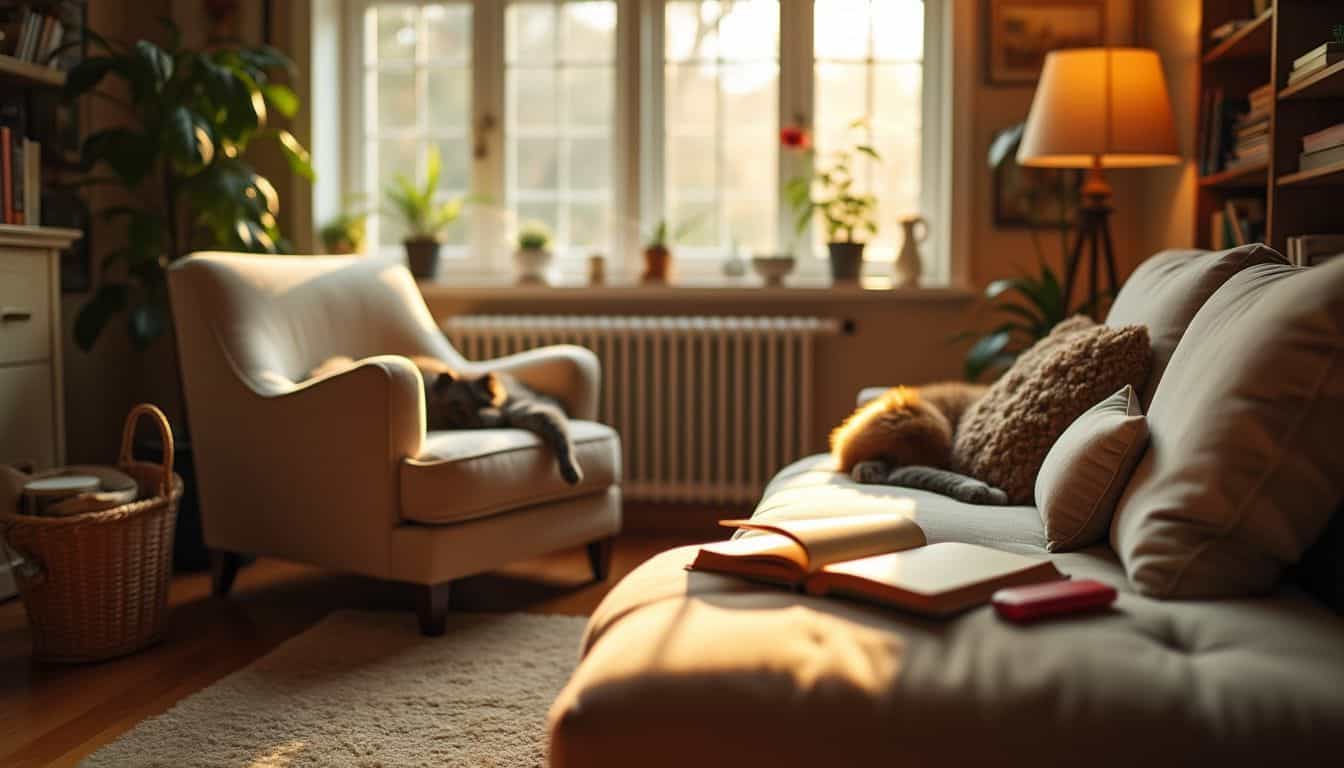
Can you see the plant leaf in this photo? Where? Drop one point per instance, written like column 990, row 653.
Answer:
column 300, row 161
column 130, row 155
column 147, row 322
column 984, row 352
column 869, row 151
column 190, row 140
column 282, row 97
column 86, row 75
column 93, row 316
column 157, row 60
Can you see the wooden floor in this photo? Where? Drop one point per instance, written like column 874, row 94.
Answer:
column 57, row 714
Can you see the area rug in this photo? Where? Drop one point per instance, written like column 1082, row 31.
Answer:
column 366, row 689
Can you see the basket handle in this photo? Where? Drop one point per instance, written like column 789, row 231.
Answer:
column 165, row 433
column 26, row 567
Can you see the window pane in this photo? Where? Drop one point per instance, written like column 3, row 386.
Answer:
column 531, row 32
column 449, row 99
column 560, row 81
column 455, row 174
column 396, row 99
column 588, row 31
column 721, row 118
column 449, row 30
column 868, row 66
column 395, row 30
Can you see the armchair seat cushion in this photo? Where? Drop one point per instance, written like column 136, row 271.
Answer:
column 472, row 473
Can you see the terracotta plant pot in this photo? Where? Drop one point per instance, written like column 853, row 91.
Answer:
column 846, row 261
column 422, row 255
column 657, row 265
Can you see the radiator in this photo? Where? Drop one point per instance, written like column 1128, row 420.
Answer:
column 708, row 408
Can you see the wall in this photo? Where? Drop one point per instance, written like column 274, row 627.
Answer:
column 904, row 340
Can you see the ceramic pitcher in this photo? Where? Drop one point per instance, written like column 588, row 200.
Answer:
column 908, row 262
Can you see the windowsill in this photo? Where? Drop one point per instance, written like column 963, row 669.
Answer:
column 747, row 290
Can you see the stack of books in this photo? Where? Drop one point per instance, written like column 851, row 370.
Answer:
column 1310, row 250
column 20, row 170
column 1322, row 148
column 1241, row 221
column 1229, row 28
column 1316, row 59
column 34, row 37
column 1251, row 131
column 1220, row 117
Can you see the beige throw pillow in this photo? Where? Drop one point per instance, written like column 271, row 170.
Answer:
column 1004, row 437
column 1244, row 465
column 1086, row 471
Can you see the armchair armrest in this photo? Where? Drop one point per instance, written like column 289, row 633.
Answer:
column 568, row 373
column 386, row 390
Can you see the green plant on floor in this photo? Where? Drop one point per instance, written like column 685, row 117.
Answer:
column 414, row 202
column 190, row 117
column 1030, row 305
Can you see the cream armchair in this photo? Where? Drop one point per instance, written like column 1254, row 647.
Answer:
column 339, row 471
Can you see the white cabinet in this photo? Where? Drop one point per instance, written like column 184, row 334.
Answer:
column 32, row 412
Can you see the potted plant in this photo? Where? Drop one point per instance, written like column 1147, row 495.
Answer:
column 533, row 257
column 424, row 217
column 849, row 215
column 344, row 233
column 658, row 252
column 180, row 162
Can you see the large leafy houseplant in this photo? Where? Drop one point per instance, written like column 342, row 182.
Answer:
column 191, row 116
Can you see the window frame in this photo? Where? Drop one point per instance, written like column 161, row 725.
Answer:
column 638, row 153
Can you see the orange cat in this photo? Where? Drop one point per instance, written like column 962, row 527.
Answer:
column 905, row 426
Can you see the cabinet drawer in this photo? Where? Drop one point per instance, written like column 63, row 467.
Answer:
column 25, row 306
column 27, row 415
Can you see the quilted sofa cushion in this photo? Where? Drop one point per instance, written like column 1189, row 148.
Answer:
column 471, row 473
column 1166, row 291
column 698, row 669
column 1245, row 465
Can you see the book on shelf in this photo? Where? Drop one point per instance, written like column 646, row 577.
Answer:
column 879, row 558
column 1324, row 139
column 1310, row 161
column 1334, row 46
column 1310, row 250
column 1221, row 118
column 1304, row 69
column 33, row 37
column 1243, row 220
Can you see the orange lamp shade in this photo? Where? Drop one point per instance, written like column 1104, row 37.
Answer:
column 1105, row 107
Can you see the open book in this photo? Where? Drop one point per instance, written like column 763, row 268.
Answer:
column 882, row 558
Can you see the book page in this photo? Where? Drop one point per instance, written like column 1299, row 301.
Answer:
column 773, row 547
column 836, row 539
column 937, row 568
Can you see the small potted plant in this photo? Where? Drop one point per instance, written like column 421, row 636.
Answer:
column 849, row 215
column 424, row 217
column 658, row 252
column 533, row 257
column 344, row 233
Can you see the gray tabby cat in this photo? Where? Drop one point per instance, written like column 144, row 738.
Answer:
column 490, row 401
column 944, row 481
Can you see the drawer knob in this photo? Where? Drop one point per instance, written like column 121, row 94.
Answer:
column 15, row 314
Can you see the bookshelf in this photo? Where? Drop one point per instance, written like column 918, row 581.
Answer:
column 1263, row 52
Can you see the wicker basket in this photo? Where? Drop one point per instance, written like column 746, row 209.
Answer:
column 96, row 585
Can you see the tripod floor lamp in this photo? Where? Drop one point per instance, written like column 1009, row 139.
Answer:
column 1098, row 108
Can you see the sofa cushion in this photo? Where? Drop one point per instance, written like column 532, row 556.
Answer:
column 812, row 487
column 470, row 473
column 697, row 669
column 1166, row 291
column 1004, row 436
column 1244, row 466
column 1087, row 470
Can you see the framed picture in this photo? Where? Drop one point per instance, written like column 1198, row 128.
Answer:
column 1021, row 32
column 1035, row 198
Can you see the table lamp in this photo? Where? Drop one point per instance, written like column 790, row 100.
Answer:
column 1099, row 108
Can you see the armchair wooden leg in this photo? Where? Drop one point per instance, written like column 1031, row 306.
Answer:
column 599, row 557
column 223, row 568
column 432, row 607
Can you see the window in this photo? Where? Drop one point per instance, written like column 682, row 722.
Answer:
column 560, row 76
column 601, row 118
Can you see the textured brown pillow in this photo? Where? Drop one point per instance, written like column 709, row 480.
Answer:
column 1003, row 439
column 1086, row 471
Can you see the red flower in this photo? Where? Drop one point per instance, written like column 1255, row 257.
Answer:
column 796, row 138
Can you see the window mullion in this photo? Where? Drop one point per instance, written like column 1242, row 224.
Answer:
column 488, row 119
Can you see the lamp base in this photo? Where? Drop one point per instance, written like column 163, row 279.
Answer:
column 1094, row 236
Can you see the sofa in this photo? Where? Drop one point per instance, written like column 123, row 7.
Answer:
column 685, row 668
